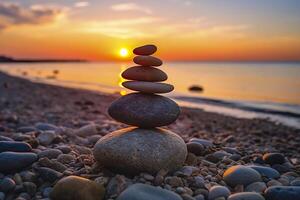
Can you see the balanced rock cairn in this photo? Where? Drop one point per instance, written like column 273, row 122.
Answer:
column 143, row 147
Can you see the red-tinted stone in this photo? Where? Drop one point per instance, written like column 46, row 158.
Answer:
column 140, row 73
column 148, row 87
column 147, row 61
column 145, row 50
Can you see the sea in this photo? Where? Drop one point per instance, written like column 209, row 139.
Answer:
column 268, row 90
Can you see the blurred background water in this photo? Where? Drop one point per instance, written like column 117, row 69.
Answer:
column 246, row 89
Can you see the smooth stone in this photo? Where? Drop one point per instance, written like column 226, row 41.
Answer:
column 46, row 137
column 4, row 138
column 266, row 171
column 144, row 110
column 50, row 153
column 75, row 187
column 88, row 130
column 218, row 191
column 148, row 87
column 14, row 146
column 7, row 184
column 15, row 161
column 145, row 50
column 46, row 127
column 246, row 196
column 258, row 187
column 147, row 192
column 135, row 150
column 295, row 182
column 66, row 158
column 140, row 73
column 26, row 129
column 283, row 193
column 48, row 174
column 30, row 188
column 47, row 191
column 240, row 175
column 147, row 61
column 64, row 148
column 2, row 196
column 204, row 142
column 282, row 168
column 273, row 158
column 116, row 185
column 217, row 156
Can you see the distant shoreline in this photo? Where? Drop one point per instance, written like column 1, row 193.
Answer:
column 6, row 59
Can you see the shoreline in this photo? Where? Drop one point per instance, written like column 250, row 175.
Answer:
column 283, row 113
column 215, row 125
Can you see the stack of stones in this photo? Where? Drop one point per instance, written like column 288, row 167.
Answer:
column 143, row 147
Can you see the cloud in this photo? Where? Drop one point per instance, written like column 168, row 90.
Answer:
column 14, row 14
column 121, row 28
column 130, row 7
column 81, row 4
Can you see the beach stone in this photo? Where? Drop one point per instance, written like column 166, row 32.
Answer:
column 7, row 184
column 64, row 148
column 88, row 130
column 66, row 158
column 246, row 196
column 217, row 156
column 145, row 50
column 240, row 175
column 258, row 187
column 116, row 185
column 47, row 191
column 48, row 174
column 204, row 142
column 15, row 161
column 295, row 182
column 148, row 87
column 46, row 127
column 282, row 168
column 147, row 61
column 147, row 192
column 46, row 137
column 273, row 158
column 50, row 153
column 198, row 182
column 283, row 193
column 174, row 181
column 75, row 187
column 195, row 148
column 26, row 129
column 140, row 73
column 135, row 150
column 14, row 146
column 30, row 188
column 218, row 191
column 28, row 176
column 4, row 138
column 266, row 171
column 2, row 196
column 144, row 110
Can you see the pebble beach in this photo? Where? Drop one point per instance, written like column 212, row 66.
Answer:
column 47, row 136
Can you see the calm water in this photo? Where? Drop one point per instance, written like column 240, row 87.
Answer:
column 263, row 86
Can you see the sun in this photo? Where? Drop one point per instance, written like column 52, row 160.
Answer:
column 123, row 52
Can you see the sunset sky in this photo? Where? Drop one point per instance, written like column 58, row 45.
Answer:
column 182, row 29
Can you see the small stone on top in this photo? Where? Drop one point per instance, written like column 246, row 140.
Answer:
column 145, row 50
